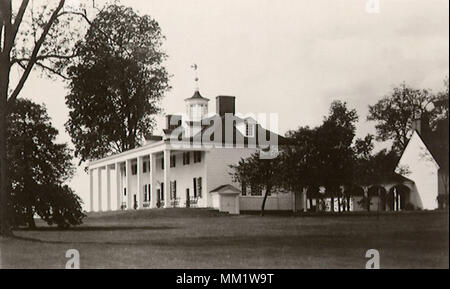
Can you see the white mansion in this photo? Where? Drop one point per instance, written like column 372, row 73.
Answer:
column 185, row 167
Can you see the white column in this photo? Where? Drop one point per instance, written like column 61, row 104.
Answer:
column 305, row 199
column 91, row 189
column 294, row 201
column 166, row 178
column 108, row 188
column 139, row 191
column 153, row 188
column 366, row 195
column 119, row 190
column 99, row 174
column 128, row 182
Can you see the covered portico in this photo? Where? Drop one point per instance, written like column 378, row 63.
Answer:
column 144, row 177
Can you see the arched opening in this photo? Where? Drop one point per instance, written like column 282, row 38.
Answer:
column 376, row 198
column 398, row 198
column 352, row 198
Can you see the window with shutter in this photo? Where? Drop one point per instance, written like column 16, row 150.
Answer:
column 172, row 161
column 186, row 158
column 174, row 189
column 199, row 186
column 194, row 180
column 197, row 156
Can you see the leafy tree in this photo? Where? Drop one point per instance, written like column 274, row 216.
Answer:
column 321, row 156
column 396, row 112
column 30, row 37
column 335, row 152
column 440, row 145
column 259, row 174
column 38, row 169
column 59, row 205
column 300, row 158
column 116, row 83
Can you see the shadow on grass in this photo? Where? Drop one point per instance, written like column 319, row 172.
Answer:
column 94, row 228
column 87, row 229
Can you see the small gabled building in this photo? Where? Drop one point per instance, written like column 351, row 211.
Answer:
column 425, row 162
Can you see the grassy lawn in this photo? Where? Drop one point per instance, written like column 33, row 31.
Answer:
column 196, row 238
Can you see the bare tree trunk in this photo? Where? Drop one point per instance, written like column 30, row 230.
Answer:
column 5, row 67
column 30, row 217
column 4, row 224
column 264, row 201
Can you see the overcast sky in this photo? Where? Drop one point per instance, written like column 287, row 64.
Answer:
column 290, row 57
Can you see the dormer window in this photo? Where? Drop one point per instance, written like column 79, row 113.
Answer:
column 249, row 130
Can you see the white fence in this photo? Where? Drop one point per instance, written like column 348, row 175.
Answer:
column 279, row 202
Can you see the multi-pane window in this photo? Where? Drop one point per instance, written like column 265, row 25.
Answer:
column 249, row 129
column 173, row 161
column 197, row 182
column 146, row 165
column 173, row 190
column 134, row 169
column 197, row 156
column 162, row 163
column 186, row 158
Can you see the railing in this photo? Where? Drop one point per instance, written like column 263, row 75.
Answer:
column 174, row 202
column 192, row 202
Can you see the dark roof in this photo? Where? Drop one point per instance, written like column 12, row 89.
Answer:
column 236, row 133
column 437, row 142
column 383, row 179
column 197, row 95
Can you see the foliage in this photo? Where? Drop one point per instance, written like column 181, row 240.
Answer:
column 396, row 112
column 322, row 156
column 259, row 174
column 31, row 37
column 59, row 205
column 116, row 83
column 38, row 168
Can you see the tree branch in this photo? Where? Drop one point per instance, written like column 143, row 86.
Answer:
column 19, row 18
column 43, row 57
column 35, row 52
column 45, row 67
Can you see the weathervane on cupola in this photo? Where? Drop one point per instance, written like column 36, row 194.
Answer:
column 197, row 105
column 195, row 67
